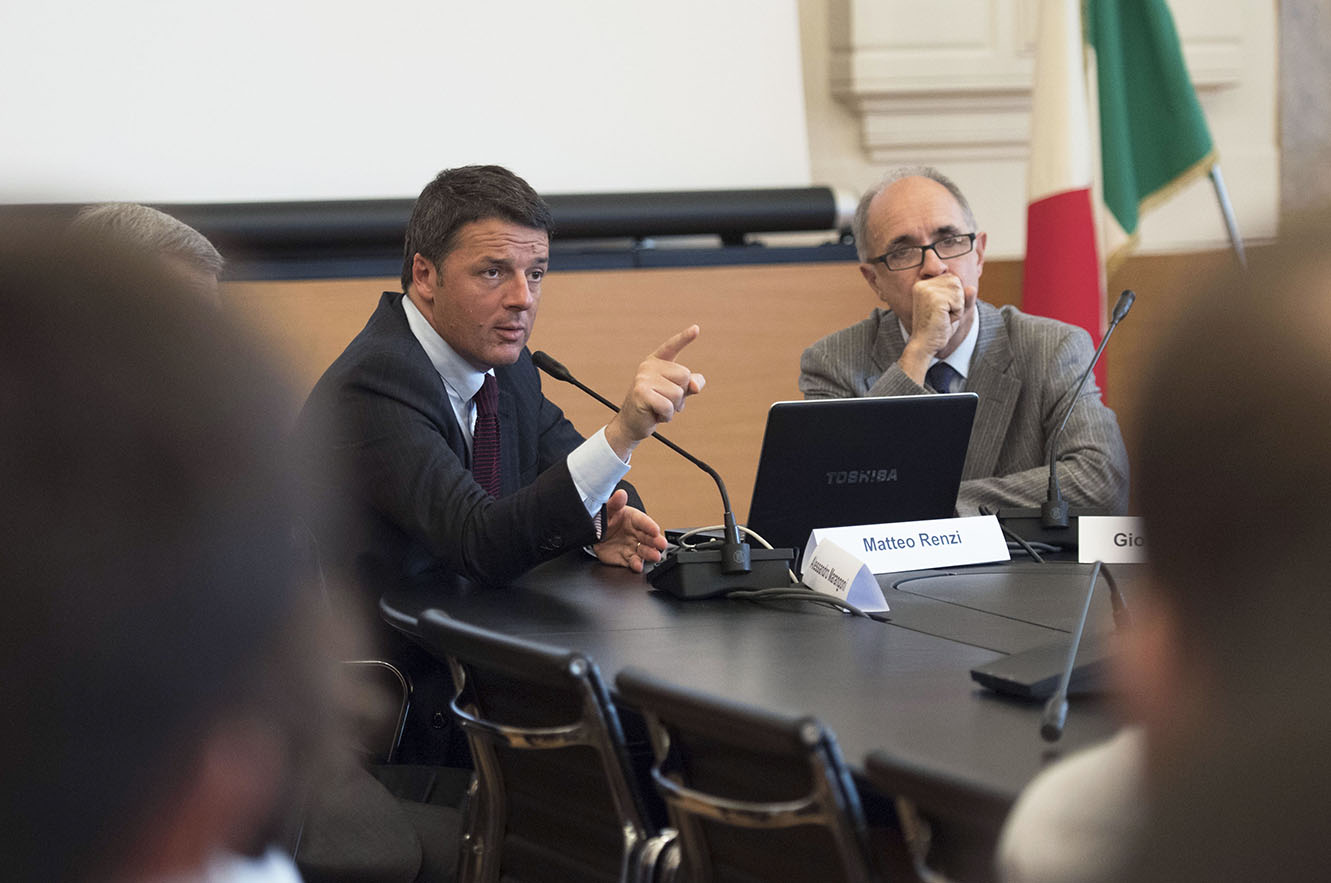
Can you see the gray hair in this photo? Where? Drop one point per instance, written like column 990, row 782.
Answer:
column 860, row 225
column 149, row 231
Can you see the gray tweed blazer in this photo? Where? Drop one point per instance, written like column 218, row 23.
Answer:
column 1024, row 370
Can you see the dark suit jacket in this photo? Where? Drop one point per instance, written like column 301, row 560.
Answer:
column 380, row 426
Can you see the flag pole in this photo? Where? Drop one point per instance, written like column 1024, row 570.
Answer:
column 1227, row 210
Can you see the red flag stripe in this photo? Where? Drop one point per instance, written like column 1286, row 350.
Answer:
column 1062, row 270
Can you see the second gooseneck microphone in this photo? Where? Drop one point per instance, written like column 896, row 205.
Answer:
column 1056, row 709
column 1054, row 511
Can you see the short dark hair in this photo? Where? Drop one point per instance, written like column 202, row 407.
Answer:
column 151, row 586
column 457, row 197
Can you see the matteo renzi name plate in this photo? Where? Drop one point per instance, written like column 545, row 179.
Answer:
column 918, row 545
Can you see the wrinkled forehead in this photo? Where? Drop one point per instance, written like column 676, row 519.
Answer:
column 495, row 237
column 915, row 210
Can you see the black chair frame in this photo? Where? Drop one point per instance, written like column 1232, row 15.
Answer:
column 388, row 754
column 832, row 802
column 598, row 727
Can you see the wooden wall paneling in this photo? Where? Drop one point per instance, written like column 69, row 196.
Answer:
column 307, row 323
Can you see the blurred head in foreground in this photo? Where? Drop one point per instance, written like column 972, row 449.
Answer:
column 1229, row 664
column 162, row 671
column 186, row 253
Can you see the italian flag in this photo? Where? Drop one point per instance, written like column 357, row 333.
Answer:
column 1115, row 129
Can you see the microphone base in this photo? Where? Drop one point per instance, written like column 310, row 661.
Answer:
column 1035, row 673
column 1029, row 525
column 689, row 574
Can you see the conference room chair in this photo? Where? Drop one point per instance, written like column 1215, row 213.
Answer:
column 973, row 818
column 364, row 818
column 754, row 795
column 378, row 692
column 555, row 796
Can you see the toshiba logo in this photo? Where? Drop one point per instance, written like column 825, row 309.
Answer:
column 861, row 476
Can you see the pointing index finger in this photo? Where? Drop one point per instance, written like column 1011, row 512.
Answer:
column 676, row 344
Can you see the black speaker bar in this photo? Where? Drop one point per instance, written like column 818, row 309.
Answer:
column 376, row 224
column 730, row 214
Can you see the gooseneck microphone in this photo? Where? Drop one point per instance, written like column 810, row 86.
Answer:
column 1054, row 512
column 736, row 555
column 1056, row 709
column 701, row 573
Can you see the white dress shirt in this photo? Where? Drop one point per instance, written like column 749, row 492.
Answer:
column 1080, row 818
column 274, row 866
column 594, row 465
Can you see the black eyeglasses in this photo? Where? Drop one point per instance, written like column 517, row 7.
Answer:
column 907, row 257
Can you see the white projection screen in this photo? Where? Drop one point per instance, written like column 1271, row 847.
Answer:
column 178, row 101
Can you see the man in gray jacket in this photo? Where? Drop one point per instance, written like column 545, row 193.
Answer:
column 922, row 254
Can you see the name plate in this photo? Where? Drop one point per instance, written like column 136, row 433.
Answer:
column 1113, row 539
column 834, row 571
column 918, row 545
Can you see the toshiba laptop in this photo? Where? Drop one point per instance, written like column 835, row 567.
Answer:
column 835, row 462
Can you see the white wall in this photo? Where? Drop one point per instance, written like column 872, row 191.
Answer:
column 177, row 100
column 947, row 84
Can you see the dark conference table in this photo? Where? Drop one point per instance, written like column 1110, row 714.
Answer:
column 900, row 688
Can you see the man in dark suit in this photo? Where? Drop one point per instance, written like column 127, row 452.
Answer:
column 402, row 404
column 922, row 253
column 402, row 421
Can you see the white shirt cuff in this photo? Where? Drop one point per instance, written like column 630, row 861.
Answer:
column 595, row 469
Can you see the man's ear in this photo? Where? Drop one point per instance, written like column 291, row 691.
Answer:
column 870, row 276
column 424, row 277
column 981, row 240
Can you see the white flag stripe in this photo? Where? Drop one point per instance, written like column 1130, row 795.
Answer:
column 1062, row 156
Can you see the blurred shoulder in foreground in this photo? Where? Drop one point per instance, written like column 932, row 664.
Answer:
column 163, row 664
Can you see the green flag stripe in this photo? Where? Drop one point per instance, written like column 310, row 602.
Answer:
column 1152, row 130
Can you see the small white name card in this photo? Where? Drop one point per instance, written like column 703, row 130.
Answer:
column 832, row 570
column 1113, row 539
column 917, row 545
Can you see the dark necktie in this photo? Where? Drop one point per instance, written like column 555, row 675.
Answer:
column 485, row 437
column 942, row 377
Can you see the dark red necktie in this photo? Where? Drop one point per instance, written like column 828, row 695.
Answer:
column 485, row 438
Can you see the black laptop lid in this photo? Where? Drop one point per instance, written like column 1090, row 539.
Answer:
column 834, row 462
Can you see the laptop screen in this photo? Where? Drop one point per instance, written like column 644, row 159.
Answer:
column 836, row 462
